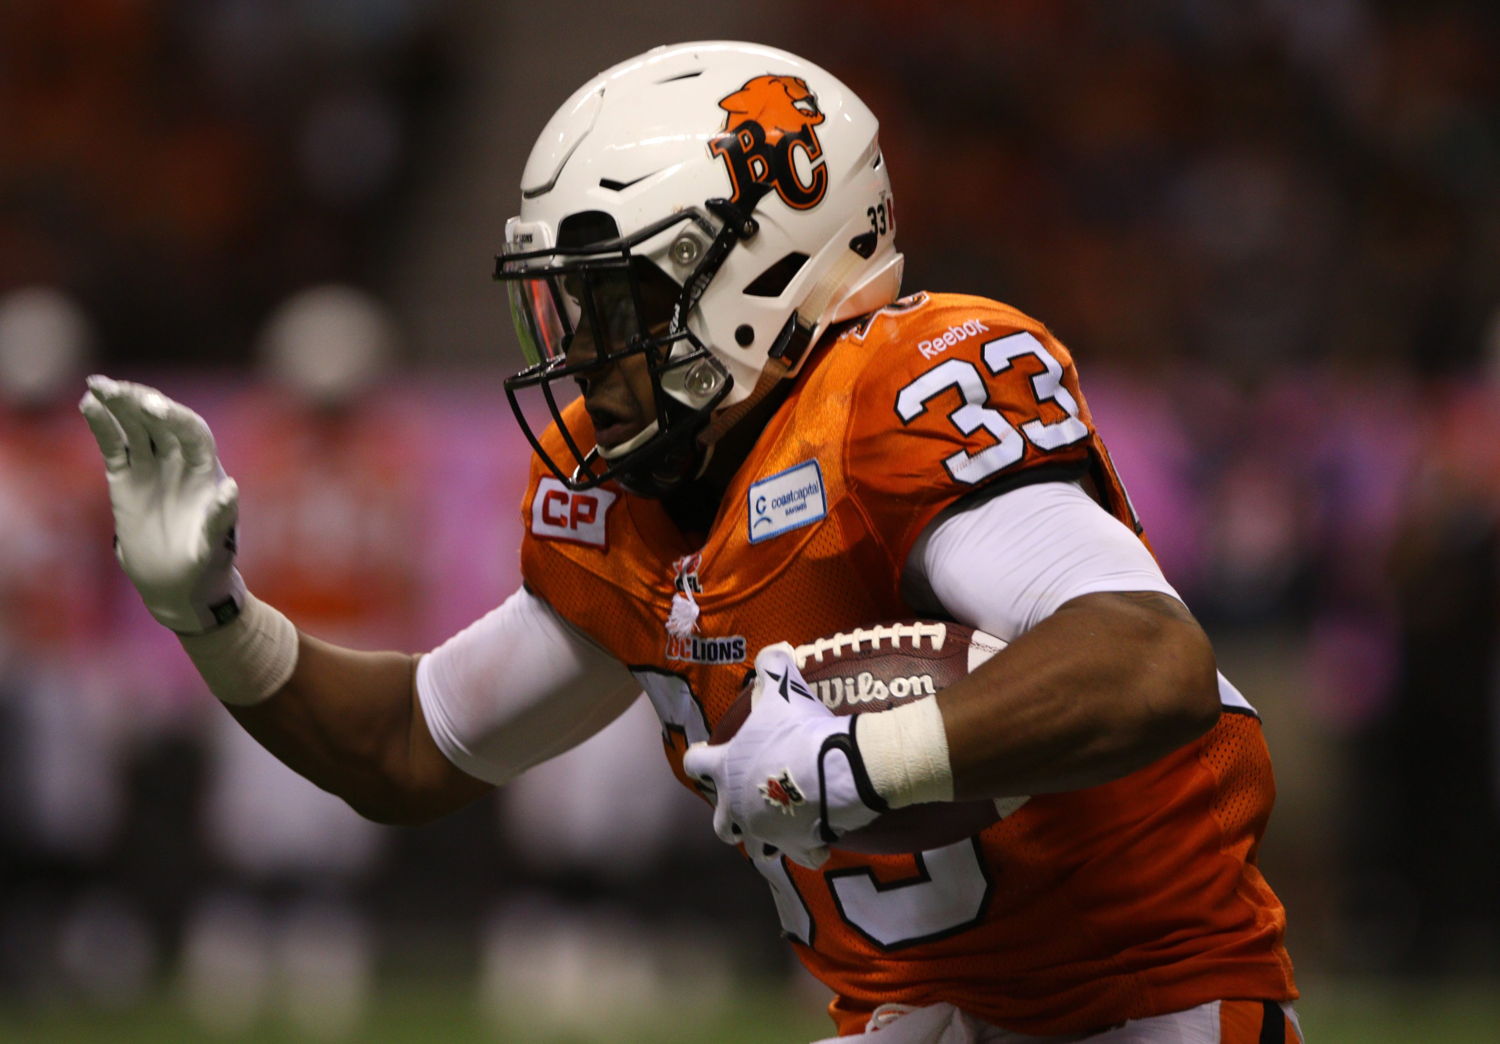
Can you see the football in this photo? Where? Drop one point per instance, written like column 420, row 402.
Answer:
column 874, row 669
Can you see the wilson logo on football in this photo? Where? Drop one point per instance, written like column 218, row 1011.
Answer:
column 771, row 118
column 864, row 687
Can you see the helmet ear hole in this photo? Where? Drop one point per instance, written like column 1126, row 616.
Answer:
column 587, row 227
column 775, row 279
column 659, row 291
column 744, row 335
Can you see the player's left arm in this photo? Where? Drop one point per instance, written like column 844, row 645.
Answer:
column 1105, row 672
column 1109, row 683
column 1106, row 669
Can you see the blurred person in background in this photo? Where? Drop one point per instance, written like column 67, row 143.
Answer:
column 65, row 736
column 1426, row 853
column 697, row 224
column 335, row 472
column 187, row 166
column 590, row 933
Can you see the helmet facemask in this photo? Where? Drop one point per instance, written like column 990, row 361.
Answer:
column 597, row 303
column 748, row 179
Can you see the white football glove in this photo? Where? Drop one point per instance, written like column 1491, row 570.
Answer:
column 175, row 508
column 792, row 777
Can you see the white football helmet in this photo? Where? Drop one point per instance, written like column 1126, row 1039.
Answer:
column 745, row 181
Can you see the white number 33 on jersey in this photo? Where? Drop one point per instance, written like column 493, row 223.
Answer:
column 975, row 412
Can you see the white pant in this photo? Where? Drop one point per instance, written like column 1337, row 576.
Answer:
column 945, row 1024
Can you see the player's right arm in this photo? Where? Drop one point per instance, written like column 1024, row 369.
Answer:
column 401, row 738
column 351, row 722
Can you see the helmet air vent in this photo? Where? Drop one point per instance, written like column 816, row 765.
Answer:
column 621, row 186
column 774, row 280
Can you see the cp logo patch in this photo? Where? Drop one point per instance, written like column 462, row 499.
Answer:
column 564, row 514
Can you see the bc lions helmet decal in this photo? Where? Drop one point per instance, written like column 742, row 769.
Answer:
column 769, row 117
column 738, row 177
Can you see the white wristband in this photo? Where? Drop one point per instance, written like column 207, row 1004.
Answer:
column 905, row 750
column 249, row 659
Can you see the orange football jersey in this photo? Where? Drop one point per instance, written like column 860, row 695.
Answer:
column 1078, row 911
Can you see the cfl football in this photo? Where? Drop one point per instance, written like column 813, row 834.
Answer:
column 874, row 669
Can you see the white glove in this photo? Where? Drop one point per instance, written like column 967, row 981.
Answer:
column 175, row 509
column 792, row 776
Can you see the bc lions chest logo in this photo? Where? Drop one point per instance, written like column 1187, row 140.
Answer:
column 770, row 118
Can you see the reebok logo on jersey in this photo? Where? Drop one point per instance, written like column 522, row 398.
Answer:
column 951, row 336
column 564, row 514
column 786, row 501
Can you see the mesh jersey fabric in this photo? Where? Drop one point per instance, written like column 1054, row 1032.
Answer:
column 1078, row 911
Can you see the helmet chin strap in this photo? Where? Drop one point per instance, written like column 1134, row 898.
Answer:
column 773, row 374
column 796, row 336
column 614, row 453
column 689, row 460
column 783, row 355
column 665, row 472
column 795, row 340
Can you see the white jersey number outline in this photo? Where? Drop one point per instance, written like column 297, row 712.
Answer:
column 975, row 413
column 946, row 893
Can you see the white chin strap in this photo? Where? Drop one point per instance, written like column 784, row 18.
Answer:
column 634, row 442
column 639, row 439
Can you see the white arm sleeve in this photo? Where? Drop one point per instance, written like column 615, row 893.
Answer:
column 1008, row 562
column 516, row 687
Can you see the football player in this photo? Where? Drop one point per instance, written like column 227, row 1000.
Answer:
column 754, row 439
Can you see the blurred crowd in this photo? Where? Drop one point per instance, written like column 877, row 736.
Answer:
column 183, row 165
column 1270, row 232
column 147, row 842
column 1251, row 185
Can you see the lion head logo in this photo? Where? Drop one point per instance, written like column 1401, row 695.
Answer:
column 769, row 119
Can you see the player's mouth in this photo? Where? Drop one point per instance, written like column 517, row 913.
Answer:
column 610, row 427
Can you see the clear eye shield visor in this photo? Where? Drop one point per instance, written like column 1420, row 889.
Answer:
column 591, row 302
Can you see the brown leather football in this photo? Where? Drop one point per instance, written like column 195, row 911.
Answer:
column 874, row 669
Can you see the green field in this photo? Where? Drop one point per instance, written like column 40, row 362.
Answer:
column 1367, row 1012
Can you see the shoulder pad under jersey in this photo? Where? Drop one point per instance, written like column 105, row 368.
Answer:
column 952, row 394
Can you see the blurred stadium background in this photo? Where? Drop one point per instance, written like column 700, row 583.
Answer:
column 1269, row 231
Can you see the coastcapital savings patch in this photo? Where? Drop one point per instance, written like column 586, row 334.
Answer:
column 787, row 500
